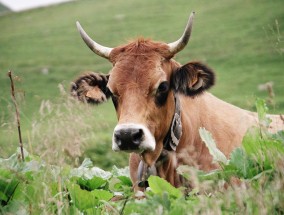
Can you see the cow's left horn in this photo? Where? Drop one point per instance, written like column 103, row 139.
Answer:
column 95, row 47
column 178, row 45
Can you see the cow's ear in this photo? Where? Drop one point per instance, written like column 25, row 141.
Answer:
column 91, row 88
column 193, row 78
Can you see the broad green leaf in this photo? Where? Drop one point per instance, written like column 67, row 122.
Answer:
column 86, row 171
column 251, row 142
column 240, row 160
column 102, row 194
column 23, row 192
column 262, row 109
column 16, row 207
column 125, row 180
column 89, row 173
column 265, row 150
column 264, row 173
column 11, row 162
column 122, row 174
column 159, row 186
column 178, row 210
column 214, row 175
column 279, row 136
column 218, row 156
column 91, row 184
column 84, row 199
column 15, row 163
column 31, row 166
column 93, row 211
column 87, row 163
column 3, row 197
column 8, row 184
column 242, row 164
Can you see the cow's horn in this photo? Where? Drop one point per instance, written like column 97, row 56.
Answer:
column 178, row 45
column 95, row 47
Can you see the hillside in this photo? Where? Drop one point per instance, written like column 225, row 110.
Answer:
column 242, row 40
column 3, row 9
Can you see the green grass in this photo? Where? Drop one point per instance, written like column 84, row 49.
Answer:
column 238, row 38
column 250, row 182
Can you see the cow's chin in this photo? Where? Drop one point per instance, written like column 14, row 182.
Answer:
column 150, row 157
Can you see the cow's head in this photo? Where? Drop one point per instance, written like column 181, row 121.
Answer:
column 142, row 84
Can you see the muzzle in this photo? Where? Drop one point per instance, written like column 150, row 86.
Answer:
column 132, row 137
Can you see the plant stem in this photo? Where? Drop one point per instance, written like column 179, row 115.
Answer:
column 17, row 114
column 124, row 203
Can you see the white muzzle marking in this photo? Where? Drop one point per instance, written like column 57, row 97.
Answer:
column 148, row 141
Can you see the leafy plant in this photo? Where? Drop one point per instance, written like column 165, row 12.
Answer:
column 251, row 181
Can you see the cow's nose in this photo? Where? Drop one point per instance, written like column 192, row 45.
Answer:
column 132, row 137
column 129, row 138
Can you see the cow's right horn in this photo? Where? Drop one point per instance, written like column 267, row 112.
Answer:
column 178, row 45
column 95, row 47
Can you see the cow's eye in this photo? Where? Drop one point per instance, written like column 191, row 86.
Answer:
column 163, row 87
column 162, row 93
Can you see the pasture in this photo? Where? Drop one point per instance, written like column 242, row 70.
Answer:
column 241, row 40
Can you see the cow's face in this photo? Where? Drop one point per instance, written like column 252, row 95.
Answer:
column 142, row 84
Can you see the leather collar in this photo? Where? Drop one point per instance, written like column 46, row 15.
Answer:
column 173, row 136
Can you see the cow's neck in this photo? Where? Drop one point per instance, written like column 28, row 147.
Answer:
column 226, row 123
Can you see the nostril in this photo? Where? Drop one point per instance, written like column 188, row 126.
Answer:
column 128, row 138
column 117, row 138
column 137, row 136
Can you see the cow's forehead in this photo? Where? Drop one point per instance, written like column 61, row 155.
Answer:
column 138, row 65
column 140, row 47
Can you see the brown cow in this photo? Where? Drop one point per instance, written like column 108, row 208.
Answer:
column 161, row 105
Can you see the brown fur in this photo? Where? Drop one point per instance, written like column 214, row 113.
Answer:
column 138, row 69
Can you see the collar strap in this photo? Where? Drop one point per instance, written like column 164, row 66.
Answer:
column 170, row 142
column 173, row 136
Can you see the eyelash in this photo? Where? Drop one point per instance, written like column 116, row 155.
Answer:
column 114, row 98
column 162, row 93
column 114, row 101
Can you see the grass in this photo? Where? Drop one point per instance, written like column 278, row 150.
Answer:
column 250, row 182
column 239, row 39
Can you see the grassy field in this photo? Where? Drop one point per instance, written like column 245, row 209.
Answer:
column 242, row 40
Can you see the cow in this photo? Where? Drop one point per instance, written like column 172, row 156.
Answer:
column 160, row 106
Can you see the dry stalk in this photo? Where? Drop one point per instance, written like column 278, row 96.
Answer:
column 17, row 114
